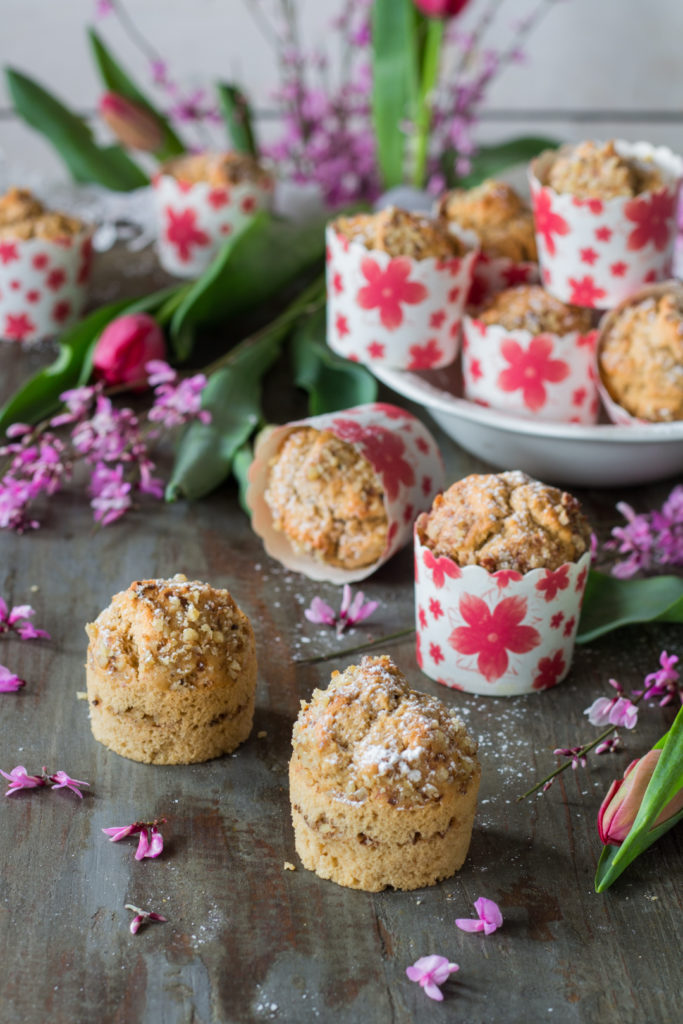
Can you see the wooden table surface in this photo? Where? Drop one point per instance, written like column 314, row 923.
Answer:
column 247, row 940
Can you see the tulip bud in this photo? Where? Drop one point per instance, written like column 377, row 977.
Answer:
column 623, row 800
column 132, row 124
column 441, row 8
column 125, row 346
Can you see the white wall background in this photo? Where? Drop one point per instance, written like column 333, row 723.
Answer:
column 595, row 67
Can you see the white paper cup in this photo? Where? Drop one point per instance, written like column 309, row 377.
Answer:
column 395, row 311
column 597, row 252
column 501, row 633
column 545, row 377
column 401, row 451
column 43, row 284
column 194, row 220
column 493, row 274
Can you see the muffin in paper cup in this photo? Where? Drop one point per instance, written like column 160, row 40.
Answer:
column 491, row 628
column 596, row 252
column 43, row 284
column 387, row 443
column 640, row 376
column 196, row 218
column 394, row 310
column 543, row 376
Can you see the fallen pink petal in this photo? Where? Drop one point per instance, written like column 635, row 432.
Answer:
column 612, row 711
column 352, row 611
column 115, row 834
column 151, row 841
column 60, row 780
column 430, row 972
column 142, row 917
column 488, row 921
column 19, row 778
column 9, row 682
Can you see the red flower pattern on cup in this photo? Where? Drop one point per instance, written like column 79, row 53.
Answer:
column 551, row 584
column 435, row 653
column 424, row 357
column 491, row 634
column 183, row 233
column 549, row 671
column 529, row 368
column 383, row 450
column 18, row 327
column 585, row 292
column 435, row 608
column 440, row 568
column 8, row 252
column 653, row 216
column 388, row 289
column 505, row 576
column 547, row 222
column 218, row 197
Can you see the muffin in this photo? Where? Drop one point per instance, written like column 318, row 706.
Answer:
column 327, row 499
column 217, row 169
column 531, row 308
column 171, row 672
column 501, row 563
column 400, row 233
column 594, row 170
column 640, row 355
column 23, row 216
column 498, row 216
column 383, row 782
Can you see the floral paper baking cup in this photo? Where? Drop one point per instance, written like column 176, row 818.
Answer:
column 395, row 311
column 596, row 252
column 545, row 376
column 492, row 274
column 43, row 284
column 400, row 449
column 500, row 633
column 195, row 219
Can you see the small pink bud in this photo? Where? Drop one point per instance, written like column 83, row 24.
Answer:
column 125, row 346
column 133, row 125
column 441, row 8
column 622, row 803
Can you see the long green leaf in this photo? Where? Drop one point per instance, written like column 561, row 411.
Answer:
column 69, row 134
column 489, row 161
column 249, row 270
column 394, row 83
column 243, row 459
column 610, row 603
column 236, row 113
column 666, row 782
column 332, row 383
column 117, row 80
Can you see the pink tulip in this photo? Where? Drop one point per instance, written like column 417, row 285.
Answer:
column 441, row 8
column 125, row 346
column 133, row 125
column 622, row 803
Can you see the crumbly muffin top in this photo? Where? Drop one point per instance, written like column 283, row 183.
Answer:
column 530, row 307
column 506, row 521
column 187, row 632
column 641, row 358
column 401, row 233
column 498, row 216
column 369, row 736
column 328, row 500
column 217, row 169
column 22, row 216
column 593, row 170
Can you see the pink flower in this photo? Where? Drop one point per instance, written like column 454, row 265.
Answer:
column 142, row 917
column 653, row 216
column 615, row 711
column 387, row 289
column 665, row 682
column 124, row 348
column 9, row 682
column 351, row 611
column 440, row 568
column 441, row 8
column 151, row 842
column 489, row 919
column 430, row 972
column 547, row 222
column 19, row 778
column 60, row 780
column 132, row 124
column 175, row 402
column 576, row 754
column 529, row 368
column 491, row 634
column 620, row 807
column 16, row 620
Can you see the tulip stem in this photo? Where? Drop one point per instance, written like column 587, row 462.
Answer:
column 430, row 71
column 358, row 647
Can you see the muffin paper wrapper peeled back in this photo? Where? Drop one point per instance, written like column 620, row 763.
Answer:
column 395, row 311
column 196, row 219
column 547, row 376
column 596, row 252
column 43, row 284
column 401, row 451
column 500, row 634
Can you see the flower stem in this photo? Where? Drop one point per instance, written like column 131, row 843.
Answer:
column 430, row 71
column 390, row 637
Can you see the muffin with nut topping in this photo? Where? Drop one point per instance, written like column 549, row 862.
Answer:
column 171, row 672
column 23, row 216
column 594, row 170
column 383, row 782
column 498, row 216
column 529, row 307
column 400, row 233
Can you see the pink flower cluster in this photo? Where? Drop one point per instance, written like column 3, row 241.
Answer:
column 351, row 611
column 19, row 778
column 649, row 540
column 151, row 842
column 108, row 440
column 15, row 621
column 617, row 710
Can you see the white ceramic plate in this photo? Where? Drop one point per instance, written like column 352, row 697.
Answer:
column 598, row 456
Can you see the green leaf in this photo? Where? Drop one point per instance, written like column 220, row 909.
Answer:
column 394, row 83
column 489, row 161
column 243, row 459
column 250, row 269
column 236, row 112
column 610, row 603
column 69, row 134
column 332, row 383
column 666, row 782
column 39, row 397
column 118, row 81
